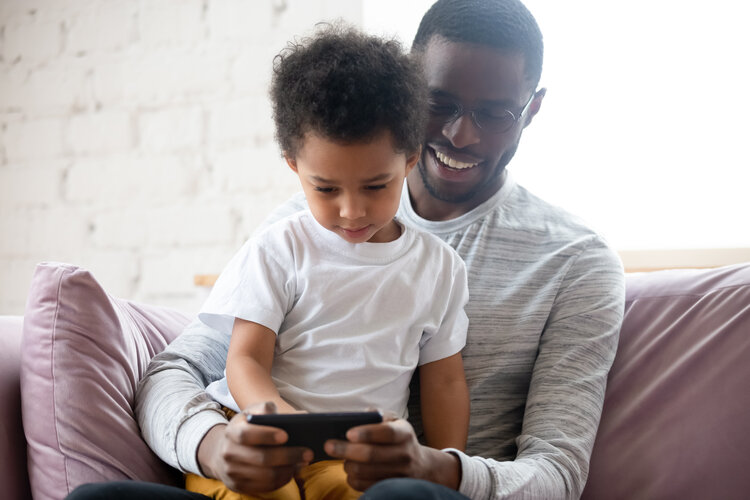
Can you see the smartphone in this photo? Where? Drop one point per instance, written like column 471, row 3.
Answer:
column 313, row 429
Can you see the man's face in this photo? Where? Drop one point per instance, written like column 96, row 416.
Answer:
column 462, row 162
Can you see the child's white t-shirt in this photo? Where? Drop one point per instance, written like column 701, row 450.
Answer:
column 353, row 321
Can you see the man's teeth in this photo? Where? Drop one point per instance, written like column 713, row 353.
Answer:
column 453, row 163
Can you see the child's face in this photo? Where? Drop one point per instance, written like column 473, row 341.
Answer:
column 353, row 189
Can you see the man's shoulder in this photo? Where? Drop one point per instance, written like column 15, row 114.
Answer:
column 295, row 204
column 434, row 246
column 534, row 235
column 530, row 210
column 529, row 221
column 288, row 228
column 559, row 234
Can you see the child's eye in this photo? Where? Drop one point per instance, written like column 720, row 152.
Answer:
column 323, row 189
column 376, row 187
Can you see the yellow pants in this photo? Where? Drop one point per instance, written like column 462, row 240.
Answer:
column 325, row 480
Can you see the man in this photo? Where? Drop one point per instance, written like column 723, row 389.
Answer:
column 546, row 302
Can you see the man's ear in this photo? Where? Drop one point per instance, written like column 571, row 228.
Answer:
column 412, row 160
column 291, row 162
column 535, row 105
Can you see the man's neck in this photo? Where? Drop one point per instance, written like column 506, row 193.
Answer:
column 430, row 208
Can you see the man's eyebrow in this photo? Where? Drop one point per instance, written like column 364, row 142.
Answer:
column 505, row 103
column 440, row 93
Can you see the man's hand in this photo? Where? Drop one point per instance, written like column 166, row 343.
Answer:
column 380, row 451
column 248, row 458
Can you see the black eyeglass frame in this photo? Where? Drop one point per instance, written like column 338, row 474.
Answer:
column 459, row 111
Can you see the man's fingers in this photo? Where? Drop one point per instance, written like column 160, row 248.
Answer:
column 367, row 453
column 241, row 432
column 361, row 476
column 259, row 479
column 390, row 432
column 259, row 445
column 271, row 456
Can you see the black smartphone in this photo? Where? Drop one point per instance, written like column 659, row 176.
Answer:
column 313, row 429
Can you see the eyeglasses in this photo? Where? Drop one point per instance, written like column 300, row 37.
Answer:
column 495, row 119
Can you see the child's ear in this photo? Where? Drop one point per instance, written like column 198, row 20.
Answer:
column 291, row 162
column 412, row 160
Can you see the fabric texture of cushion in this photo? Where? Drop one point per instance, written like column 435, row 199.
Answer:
column 83, row 353
column 676, row 420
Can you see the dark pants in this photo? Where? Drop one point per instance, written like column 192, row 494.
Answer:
column 390, row 489
column 135, row 490
column 410, row 489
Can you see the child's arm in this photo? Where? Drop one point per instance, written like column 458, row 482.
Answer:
column 445, row 403
column 249, row 361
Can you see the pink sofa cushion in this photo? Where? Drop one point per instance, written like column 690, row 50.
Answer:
column 13, row 477
column 83, row 354
column 676, row 420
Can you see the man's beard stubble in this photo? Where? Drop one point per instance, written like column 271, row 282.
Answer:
column 435, row 192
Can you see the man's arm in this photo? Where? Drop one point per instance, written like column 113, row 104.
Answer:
column 567, row 388
column 173, row 409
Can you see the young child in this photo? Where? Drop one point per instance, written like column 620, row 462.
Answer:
column 333, row 308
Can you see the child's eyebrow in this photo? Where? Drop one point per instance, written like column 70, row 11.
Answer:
column 320, row 179
column 380, row 177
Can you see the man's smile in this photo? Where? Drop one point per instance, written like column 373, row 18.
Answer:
column 452, row 162
column 453, row 166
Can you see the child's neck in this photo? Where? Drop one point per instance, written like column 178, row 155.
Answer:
column 389, row 232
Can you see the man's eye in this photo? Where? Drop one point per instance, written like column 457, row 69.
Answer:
column 496, row 115
column 375, row 187
column 442, row 109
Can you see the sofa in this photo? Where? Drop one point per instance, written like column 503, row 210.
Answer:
column 675, row 425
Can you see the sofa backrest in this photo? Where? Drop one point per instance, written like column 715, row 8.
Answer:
column 676, row 420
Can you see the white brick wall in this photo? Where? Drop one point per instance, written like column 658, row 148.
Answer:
column 136, row 138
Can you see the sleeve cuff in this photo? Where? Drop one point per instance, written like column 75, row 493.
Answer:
column 476, row 478
column 189, row 436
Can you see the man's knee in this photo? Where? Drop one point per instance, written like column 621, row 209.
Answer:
column 410, row 489
column 95, row 491
column 131, row 490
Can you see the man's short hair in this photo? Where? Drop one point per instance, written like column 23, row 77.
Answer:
column 348, row 87
column 501, row 24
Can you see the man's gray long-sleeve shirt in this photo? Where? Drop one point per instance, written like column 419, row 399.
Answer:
column 546, row 303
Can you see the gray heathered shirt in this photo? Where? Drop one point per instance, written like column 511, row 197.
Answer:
column 545, row 307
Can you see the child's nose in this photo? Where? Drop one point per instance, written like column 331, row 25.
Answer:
column 351, row 208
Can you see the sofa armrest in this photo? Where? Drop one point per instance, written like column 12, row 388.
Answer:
column 13, row 475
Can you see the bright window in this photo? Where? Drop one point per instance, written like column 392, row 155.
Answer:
column 644, row 130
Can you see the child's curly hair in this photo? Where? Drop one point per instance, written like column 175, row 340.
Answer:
column 347, row 87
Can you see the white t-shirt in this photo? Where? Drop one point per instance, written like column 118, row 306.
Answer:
column 353, row 321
